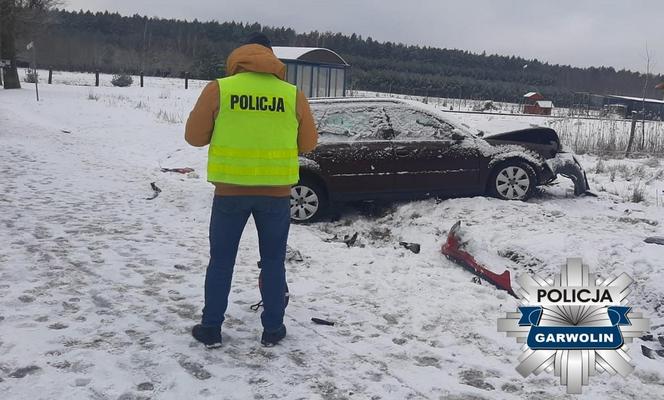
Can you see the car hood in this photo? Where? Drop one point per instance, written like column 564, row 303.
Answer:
column 543, row 140
column 530, row 135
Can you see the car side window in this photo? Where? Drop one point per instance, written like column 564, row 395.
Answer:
column 351, row 123
column 413, row 124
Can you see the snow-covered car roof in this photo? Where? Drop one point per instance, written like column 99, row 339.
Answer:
column 411, row 103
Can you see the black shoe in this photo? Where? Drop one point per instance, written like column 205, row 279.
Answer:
column 269, row 339
column 210, row 336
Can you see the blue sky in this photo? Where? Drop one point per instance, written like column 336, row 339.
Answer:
column 582, row 32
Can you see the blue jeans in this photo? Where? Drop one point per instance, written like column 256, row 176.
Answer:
column 229, row 217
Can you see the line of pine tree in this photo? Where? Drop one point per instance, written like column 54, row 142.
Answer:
column 86, row 41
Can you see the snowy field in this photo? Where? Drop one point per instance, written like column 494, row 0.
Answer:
column 99, row 287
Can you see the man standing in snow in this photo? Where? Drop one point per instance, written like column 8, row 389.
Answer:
column 255, row 124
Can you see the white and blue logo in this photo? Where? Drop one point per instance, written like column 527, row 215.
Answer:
column 573, row 326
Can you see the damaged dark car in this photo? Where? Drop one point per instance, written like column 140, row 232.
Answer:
column 392, row 149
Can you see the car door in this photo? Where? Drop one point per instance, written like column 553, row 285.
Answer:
column 355, row 153
column 432, row 156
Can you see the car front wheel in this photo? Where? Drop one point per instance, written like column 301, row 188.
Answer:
column 307, row 201
column 512, row 180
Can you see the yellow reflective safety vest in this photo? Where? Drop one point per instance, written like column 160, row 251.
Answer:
column 254, row 142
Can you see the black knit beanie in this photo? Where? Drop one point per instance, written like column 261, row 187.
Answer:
column 258, row 38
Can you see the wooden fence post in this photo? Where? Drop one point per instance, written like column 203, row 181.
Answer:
column 631, row 134
column 50, row 75
column 141, row 78
column 97, row 78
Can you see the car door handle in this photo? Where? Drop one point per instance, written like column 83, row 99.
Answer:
column 402, row 152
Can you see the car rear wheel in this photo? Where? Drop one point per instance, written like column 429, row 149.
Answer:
column 512, row 180
column 307, row 201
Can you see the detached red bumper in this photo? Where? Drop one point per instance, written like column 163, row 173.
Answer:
column 452, row 250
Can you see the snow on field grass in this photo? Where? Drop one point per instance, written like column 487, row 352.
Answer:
column 583, row 135
column 99, row 287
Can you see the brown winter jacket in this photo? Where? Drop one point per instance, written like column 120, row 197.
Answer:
column 247, row 58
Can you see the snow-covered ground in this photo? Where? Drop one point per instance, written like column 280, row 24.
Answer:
column 99, row 287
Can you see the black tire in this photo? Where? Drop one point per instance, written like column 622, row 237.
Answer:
column 512, row 180
column 308, row 201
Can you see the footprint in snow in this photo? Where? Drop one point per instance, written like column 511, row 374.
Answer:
column 298, row 357
column 427, row 361
column 195, row 369
column 475, row 378
column 391, row 319
column 58, row 326
column 510, row 388
column 26, row 299
column 60, row 364
column 145, row 386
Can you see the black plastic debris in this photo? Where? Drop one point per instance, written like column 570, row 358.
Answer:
column 648, row 352
column 155, row 191
column 350, row 240
column 257, row 306
column 185, row 170
column 319, row 321
column 414, row 247
column 655, row 240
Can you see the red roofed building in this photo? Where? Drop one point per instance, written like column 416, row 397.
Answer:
column 535, row 104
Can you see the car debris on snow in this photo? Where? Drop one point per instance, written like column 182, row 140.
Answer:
column 155, row 191
column 349, row 240
column 414, row 247
column 185, row 170
column 453, row 249
column 648, row 352
column 655, row 240
column 320, row 321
